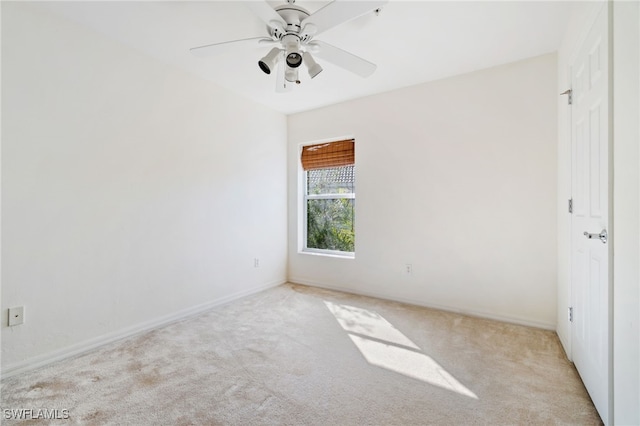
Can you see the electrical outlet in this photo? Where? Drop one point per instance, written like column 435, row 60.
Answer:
column 16, row 316
column 408, row 269
column 256, row 263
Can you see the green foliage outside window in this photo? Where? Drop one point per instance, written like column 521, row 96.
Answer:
column 330, row 220
column 330, row 224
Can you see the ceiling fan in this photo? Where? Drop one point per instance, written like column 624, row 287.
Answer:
column 293, row 28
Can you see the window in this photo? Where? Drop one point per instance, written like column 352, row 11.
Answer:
column 329, row 197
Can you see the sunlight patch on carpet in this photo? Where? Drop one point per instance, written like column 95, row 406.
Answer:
column 385, row 346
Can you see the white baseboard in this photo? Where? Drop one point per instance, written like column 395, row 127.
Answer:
column 469, row 312
column 91, row 344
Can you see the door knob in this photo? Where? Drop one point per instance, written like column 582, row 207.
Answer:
column 602, row 236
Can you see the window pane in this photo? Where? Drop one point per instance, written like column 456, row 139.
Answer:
column 336, row 180
column 330, row 224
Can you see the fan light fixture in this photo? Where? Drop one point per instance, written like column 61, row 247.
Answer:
column 312, row 66
column 294, row 59
column 269, row 62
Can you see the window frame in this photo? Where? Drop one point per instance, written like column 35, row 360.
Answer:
column 304, row 210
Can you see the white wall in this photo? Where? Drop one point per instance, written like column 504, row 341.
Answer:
column 456, row 177
column 626, row 212
column 132, row 193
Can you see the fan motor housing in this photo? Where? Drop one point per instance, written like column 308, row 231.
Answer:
column 293, row 16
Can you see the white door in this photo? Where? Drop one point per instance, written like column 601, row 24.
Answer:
column 590, row 292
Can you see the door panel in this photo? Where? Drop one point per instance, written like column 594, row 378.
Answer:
column 590, row 192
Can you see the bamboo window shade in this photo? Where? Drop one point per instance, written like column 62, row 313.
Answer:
column 330, row 154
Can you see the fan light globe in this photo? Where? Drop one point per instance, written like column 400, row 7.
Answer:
column 291, row 75
column 269, row 62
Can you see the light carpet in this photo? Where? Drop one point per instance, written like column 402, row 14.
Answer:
column 298, row 355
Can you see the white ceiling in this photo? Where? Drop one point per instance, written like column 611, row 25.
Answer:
column 410, row 41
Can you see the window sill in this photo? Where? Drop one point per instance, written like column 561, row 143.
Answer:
column 339, row 255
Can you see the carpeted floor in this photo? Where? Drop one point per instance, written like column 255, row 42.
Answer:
column 297, row 355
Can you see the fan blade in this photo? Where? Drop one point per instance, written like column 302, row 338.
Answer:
column 282, row 85
column 265, row 12
column 338, row 12
column 344, row 59
column 229, row 46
